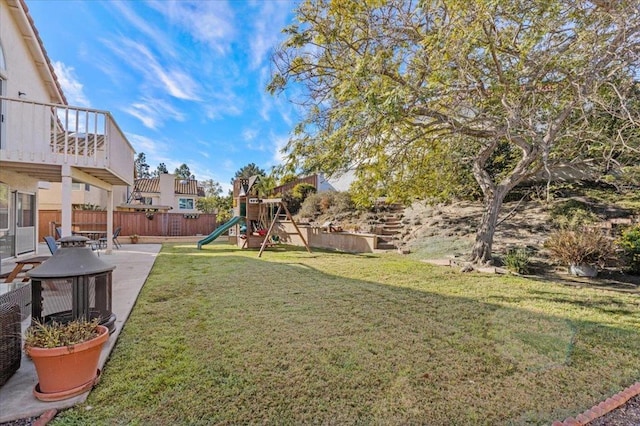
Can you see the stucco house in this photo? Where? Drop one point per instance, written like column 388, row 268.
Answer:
column 45, row 140
column 164, row 193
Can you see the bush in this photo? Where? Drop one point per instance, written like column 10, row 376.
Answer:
column 294, row 198
column 330, row 202
column 572, row 214
column 580, row 246
column 302, row 190
column 629, row 242
column 518, row 260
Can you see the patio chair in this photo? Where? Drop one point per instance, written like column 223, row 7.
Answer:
column 116, row 243
column 58, row 232
column 51, row 243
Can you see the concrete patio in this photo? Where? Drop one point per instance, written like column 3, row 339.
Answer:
column 133, row 263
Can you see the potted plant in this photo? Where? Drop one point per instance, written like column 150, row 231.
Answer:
column 65, row 356
column 584, row 251
column 134, row 238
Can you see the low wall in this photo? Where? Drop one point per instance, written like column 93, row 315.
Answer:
column 148, row 239
column 320, row 238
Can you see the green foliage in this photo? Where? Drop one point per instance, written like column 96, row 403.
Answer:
column 219, row 204
column 286, row 178
column 183, row 172
column 141, row 167
column 294, row 198
column 160, row 170
column 446, row 98
column 247, row 171
column 582, row 246
column 265, row 186
column 303, row 190
column 629, row 242
column 518, row 260
column 211, row 187
column 572, row 214
column 328, row 202
column 54, row 334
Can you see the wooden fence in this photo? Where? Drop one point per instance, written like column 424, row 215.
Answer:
column 159, row 224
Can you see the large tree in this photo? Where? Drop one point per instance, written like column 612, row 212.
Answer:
column 418, row 95
column 161, row 169
column 141, row 166
column 247, row 171
column 183, row 172
column 211, row 188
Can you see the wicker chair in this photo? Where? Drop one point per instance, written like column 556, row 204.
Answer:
column 10, row 341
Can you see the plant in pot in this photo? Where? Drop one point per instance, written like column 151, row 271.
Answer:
column 134, row 238
column 66, row 356
column 584, row 251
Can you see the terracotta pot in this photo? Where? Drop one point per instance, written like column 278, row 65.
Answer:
column 65, row 369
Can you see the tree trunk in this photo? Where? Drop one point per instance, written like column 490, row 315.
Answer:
column 481, row 253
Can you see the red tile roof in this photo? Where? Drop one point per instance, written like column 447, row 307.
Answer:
column 181, row 186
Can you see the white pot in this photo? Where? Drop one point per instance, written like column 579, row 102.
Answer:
column 583, row 270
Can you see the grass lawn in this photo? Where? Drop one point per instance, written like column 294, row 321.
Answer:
column 219, row 336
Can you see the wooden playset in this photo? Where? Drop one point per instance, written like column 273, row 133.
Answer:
column 258, row 216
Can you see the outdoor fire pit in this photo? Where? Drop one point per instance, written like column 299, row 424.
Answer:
column 73, row 284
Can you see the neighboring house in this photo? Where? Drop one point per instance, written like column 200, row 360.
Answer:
column 83, row 196
column 165, row 193
column 45, row 140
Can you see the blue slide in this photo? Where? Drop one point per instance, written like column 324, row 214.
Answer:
column 219, row 231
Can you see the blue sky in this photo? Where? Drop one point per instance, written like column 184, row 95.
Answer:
column 185, row 80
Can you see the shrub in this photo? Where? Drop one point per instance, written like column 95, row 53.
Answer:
column 518, row 260
column 580, row 246
column 629, row 242
column 294, row 198
column 330, row 202
column 302, row 190
column 572, row 214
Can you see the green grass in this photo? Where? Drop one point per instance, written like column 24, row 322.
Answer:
column 219, row 336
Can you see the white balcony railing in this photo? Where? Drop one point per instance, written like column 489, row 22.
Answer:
column 35, row 132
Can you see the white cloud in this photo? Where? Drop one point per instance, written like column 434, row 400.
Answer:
column 151, row 147
column 209, row 22
column 156, row 35
column 153, row 112
column 271, row 17
column 222, row 104
column 279, row 142
column 249, row 134
column 71, row 86
column 169, row 79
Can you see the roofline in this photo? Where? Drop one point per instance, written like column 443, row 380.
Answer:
column 31, row 36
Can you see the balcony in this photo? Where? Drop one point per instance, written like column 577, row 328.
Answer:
column 38, row 139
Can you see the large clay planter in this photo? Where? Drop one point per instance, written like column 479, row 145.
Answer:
column 584, row 270
column 69, row 370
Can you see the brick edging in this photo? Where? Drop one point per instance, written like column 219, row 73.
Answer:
column 46, row 417
column 601, row 409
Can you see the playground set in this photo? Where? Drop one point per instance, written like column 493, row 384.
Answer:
column 253, row 223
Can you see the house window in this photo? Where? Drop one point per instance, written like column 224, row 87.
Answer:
column 26, row 210
column 185, row 203
column 80, row 186
column 147, row 201
column 4, row 206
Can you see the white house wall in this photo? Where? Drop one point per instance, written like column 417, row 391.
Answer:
column 21, row 74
